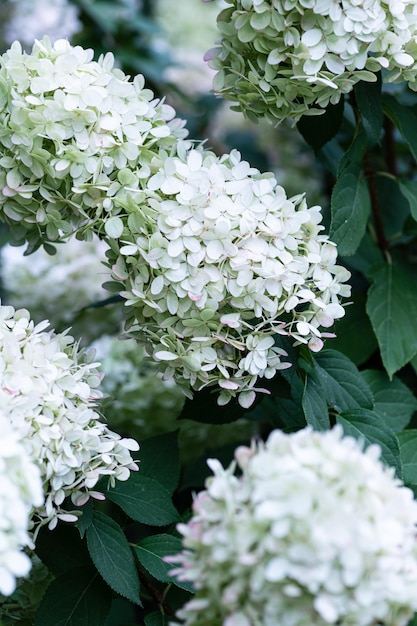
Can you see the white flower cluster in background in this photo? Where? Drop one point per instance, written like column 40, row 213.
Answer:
column 314, row 531
column 48, row 390
column 33, row 19
column 20, row 491
column 287, row 58
column 139, row 400
column 56, row 287
column 76, row 135
column 216, row 264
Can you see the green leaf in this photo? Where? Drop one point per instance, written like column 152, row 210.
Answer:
column 150, row 553
column 408, row 449
column 350, row 207
column 78, row 597
column 159, row 459
column 317, row 130
column 111, row 554
column 404, row 118
column 144, row 500
column 62, row 549
column 156, row 619
column 409, row 190
column 394, row 402
column 355, row 336
column 368, row 99
column 370, row 428
column 352, row 158
column 342, row 382
column 315, row 405
column 392, row 309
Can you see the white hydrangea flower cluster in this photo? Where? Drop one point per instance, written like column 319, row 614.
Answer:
column 57, row 287
column 20, row 490
column 33, row 19
column 76, row 136
column 288, row 58
column 314, row 531
column 219, row 262
column 48, row 391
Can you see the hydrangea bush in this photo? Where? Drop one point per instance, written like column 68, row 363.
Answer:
column 48, row 393
column 280, row 59
column 219, row 262
column 228, row 280
column 315, row 530
column 77, row 134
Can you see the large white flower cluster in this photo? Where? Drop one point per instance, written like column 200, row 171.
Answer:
column 57, row 287
column 287, row 58
column 217, row 263
column 314, row 531
column 76, row 135
column 20, row 490
column 48, row 391
column 33, row 19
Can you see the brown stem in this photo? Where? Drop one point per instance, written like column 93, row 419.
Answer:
column 390, row 155
column 375, row 205
column 155, row 593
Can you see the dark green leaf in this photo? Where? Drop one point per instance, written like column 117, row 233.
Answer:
column 111, row 554
column 62, row 549
column 317, row 130
column 368, row 99
column 409, row 190
column 394, row 402
column 408, row 449
column 353, row 157
column 370, row 428
column 77, row 597
column 350, row 206
column 86, row 517
column 404, row 118
column 355, row 336
column 150, row 553
column 159, row 459
column 342, row 382
column 392, row 309
column 156, row 619
column 144, row 500
column 315, row 405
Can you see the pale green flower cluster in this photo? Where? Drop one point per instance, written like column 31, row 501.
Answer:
column 20, row 491
column 288, row 58
column 77, row 139
column 48, row 392
column 218, row 262
column 314, row 531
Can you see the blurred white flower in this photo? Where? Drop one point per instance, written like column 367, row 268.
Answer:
column 48, row 391
column 33, row 19
column 77, row 140
column 315, row 531
column 20, row 491
column 139, row 400
column 288, row 58
column 56, row 287
column 216, row 264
